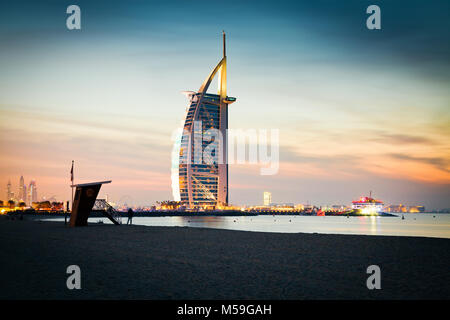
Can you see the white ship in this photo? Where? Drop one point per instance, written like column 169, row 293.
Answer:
column 368, row 205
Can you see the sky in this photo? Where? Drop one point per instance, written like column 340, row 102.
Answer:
column 358, row 110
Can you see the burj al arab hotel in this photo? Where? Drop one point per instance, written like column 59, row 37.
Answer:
column 199, row 160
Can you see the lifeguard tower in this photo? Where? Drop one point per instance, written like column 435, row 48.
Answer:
column 83, row 203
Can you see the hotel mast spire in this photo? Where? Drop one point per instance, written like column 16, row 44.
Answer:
column 224, row 45
column 222, row 90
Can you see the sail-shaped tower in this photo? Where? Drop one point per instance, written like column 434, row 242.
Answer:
column 202, row 178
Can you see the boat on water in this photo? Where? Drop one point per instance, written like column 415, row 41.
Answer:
column 365, row 206
column 369, row 206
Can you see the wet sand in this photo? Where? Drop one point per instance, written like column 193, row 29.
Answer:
column 141, row 262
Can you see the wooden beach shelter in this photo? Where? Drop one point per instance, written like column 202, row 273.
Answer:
column 84, row 200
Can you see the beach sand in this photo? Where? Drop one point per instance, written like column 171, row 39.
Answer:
column 141, row 262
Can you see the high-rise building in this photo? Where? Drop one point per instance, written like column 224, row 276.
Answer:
column 267, row 198
column 25, row 194
column 9, row 194
column 32, row 193
column 22, row 195
column 200, row 168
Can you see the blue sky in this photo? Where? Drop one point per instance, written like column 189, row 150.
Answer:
column 357, row 110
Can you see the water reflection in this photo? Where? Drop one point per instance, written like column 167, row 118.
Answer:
column 210, row 222
column 373, row 224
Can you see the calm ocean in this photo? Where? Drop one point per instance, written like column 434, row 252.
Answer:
column 414, row 224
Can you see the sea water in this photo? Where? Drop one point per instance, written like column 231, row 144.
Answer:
column 414, row 224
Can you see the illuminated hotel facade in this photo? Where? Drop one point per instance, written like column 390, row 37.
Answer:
column 199, row 161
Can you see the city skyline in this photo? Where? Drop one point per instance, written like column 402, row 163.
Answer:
column 356, row 111
column 25, row 194
column 266, row 201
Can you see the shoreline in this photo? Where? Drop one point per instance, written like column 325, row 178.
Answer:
column 252, row 231
column 96, row 214
column 145, row 262
column 437, row 227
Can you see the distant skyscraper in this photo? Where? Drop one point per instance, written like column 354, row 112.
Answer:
column 199, row 179
column 22, row 194
column 267, row 198
column 9, row 194
column 25, row 194
column 32, row 192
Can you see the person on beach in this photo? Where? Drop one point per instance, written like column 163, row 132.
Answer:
column 130, row 216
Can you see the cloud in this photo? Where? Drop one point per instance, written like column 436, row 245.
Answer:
column 438, row 162
column 290, row 154
column 401, row 139
column 102, row 123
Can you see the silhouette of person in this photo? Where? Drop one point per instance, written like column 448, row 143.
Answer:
column 130, row 216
